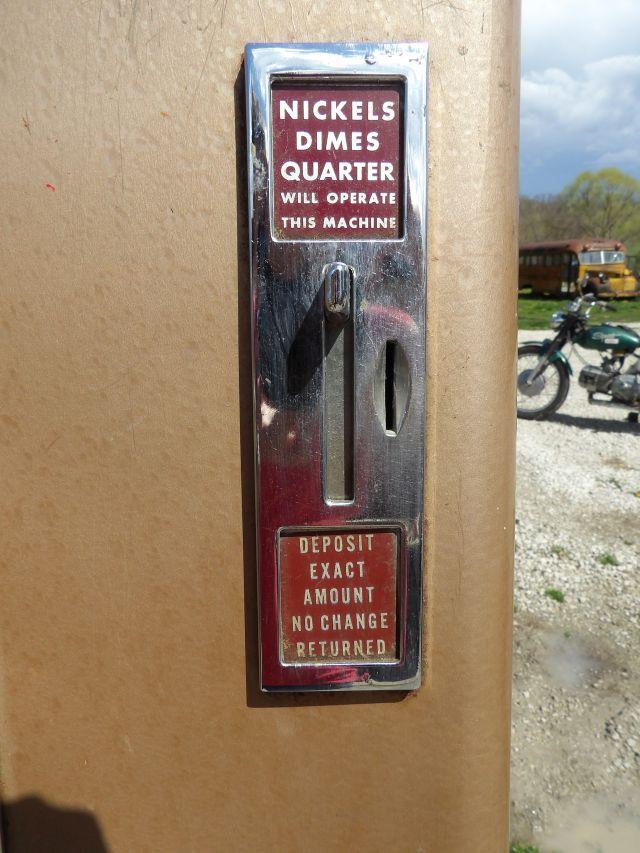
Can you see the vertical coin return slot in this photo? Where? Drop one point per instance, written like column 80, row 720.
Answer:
column 337, row 210
column 338, row 392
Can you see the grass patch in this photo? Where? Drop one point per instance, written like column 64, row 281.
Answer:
column 608, row 559
column 559, row 551
column 523, row 848
column 534, row 312
column 555, row 594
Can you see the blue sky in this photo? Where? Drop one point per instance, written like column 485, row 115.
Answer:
column 580, row 93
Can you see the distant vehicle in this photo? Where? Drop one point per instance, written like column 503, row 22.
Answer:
column 544, row 370
column 555, row 268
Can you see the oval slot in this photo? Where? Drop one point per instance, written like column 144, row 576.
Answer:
column 392, row 385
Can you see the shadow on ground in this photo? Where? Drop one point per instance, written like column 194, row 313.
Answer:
column 31, row 825
column 596, row 424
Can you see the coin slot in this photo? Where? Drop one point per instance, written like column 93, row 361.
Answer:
column 391, row 387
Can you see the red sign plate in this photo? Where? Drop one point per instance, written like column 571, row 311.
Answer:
column 337, row 161
column 338, row 596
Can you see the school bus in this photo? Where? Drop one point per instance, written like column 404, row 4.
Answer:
column 554, row 268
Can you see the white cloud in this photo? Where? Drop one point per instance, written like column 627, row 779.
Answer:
column 569, row 33
column 580, row 89
column 595, row 111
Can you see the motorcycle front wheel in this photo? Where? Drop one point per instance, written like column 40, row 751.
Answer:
column 545, row 395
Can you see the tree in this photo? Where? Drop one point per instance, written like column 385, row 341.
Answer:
column 545, row 218
column 600, row 204
column 604, row 204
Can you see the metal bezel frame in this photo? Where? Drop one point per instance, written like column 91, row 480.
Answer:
column 390, row 301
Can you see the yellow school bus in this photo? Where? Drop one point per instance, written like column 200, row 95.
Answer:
column 554, row 268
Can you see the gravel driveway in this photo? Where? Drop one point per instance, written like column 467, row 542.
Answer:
column 576, row 708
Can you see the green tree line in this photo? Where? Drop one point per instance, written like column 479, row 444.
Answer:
column 595, row 204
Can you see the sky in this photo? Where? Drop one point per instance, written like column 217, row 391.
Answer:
column 580, row 90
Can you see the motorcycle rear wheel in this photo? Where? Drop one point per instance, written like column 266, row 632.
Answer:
column 548, row 392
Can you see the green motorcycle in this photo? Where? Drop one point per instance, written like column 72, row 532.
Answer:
column 544, row 370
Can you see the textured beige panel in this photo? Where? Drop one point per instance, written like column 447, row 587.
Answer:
column 128, row 671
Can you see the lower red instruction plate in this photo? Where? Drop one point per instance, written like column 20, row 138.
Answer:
column 338, row 596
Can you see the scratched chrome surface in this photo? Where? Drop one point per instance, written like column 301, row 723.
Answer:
column 288, row 304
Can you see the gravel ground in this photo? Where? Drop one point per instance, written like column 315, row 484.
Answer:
column 576, row 707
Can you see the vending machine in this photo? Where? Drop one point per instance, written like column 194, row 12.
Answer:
column 258, row 338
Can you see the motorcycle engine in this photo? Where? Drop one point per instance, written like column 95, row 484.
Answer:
column 594, row 378
column 626, row 389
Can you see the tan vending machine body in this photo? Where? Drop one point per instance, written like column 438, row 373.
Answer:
column 139, row 707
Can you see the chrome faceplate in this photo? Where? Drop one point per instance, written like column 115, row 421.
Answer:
column 329, row 316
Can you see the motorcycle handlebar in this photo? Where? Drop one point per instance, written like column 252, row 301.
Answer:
column 606, row 306
column 590, row 301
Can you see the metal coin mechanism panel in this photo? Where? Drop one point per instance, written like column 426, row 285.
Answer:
column 337, row 171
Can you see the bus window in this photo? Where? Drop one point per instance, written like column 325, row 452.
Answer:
column 601, row 257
